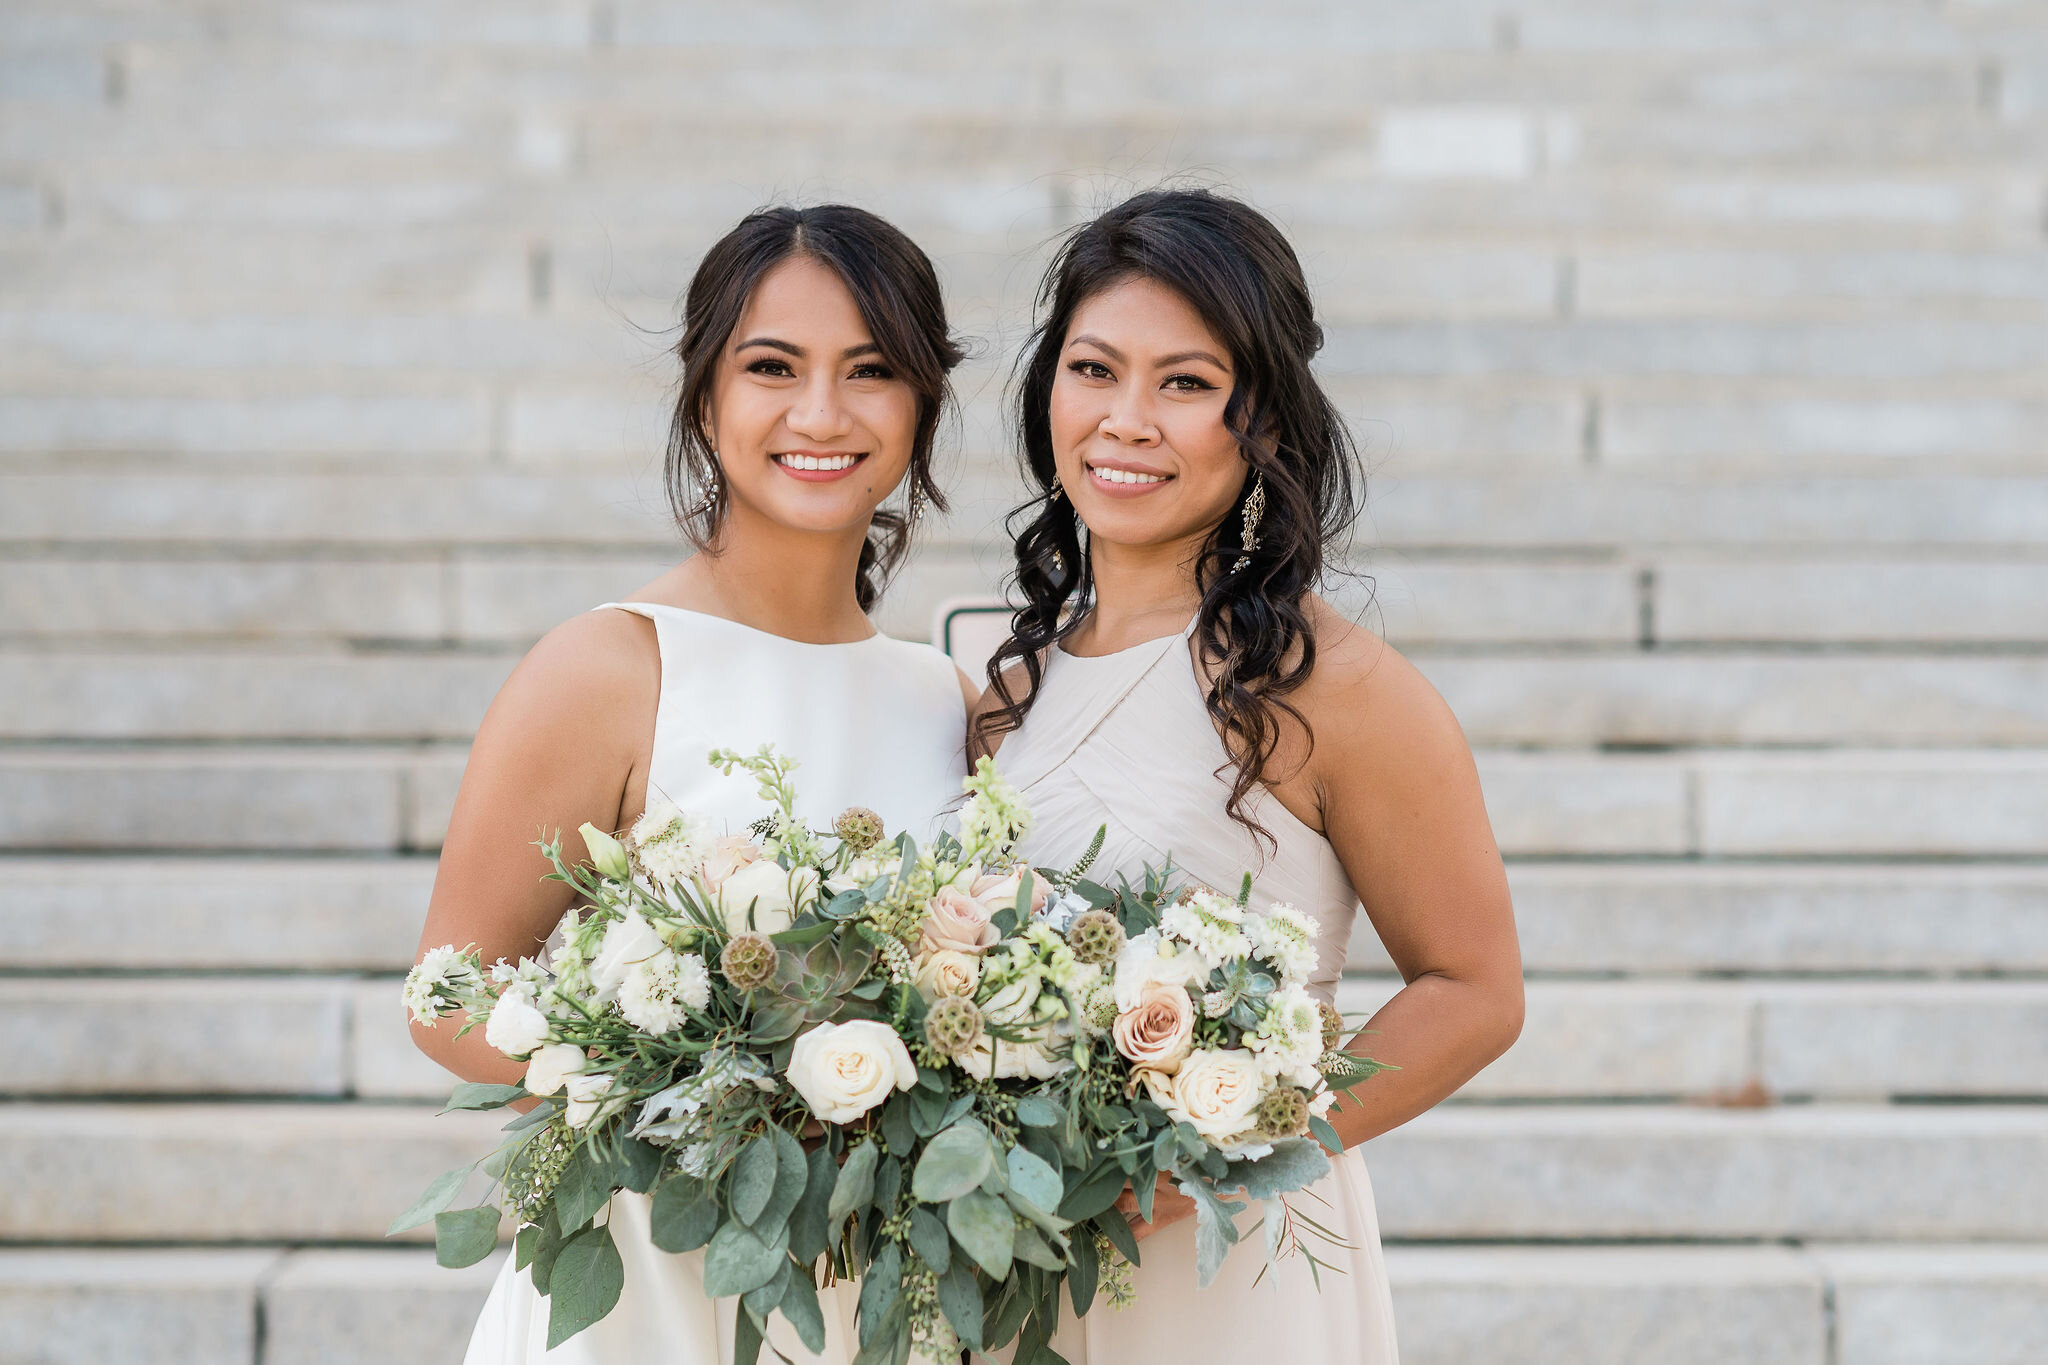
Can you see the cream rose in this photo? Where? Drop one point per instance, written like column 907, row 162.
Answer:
column 844, row 1070
column 1015, row 1003
column 947, row 972
column 729, row 855
column 1215, row 1089
column 776, row 893
column 551, row 1066
column 591, row 1098
column 953, row 919
column 1000, row 893
column 1159, row 1031
column 516, row 1025
column 998, row 1059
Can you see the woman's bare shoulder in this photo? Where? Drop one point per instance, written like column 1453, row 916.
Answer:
column 599, row 672
column 1365, row 696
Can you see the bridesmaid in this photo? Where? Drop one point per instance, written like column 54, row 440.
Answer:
column 1174, row 675
column 814, row 360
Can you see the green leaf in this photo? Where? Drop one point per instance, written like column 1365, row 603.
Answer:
column 439, row 1196
column 855, row 1188
column 1028, row 1247
column 1009, row 1315
column 1032, row 1178
column 1292, row 1165
column 1094, row 1194
column 792, row 1173
column 800, row 1306
column 775, row 1022
column 465, row 1236
column 1025, row 884
column 928, row 1239
column 550, row 1247
column 635, row 1165
column 747, row 1337
column 585, row 1286
column 880, row 1284
column 1097, row 896
column 753, row 1179
column 1036, row 1111
column 738, row 1258
column 684, row 1214
column 810, row 1222
column 1085, row 1275
column 540, row 1113
column 766, row 1299
column 888, row 1183
column 1326, row 1132
column 1118, row 1229
column 842, row 906
column 954, row 1162
column 928, row 1112
column 881, row 1348
column 960, row 1301
column 897, row 1129
column 985, row 1229
column 583, row 1190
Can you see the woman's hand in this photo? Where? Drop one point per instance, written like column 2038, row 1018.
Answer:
column 1169, row 1206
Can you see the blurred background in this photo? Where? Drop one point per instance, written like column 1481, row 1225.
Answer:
column 1700, row 353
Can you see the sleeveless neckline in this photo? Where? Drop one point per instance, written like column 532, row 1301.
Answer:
column 752, row 630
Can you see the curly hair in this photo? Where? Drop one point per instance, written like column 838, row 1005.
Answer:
column 1237, row 270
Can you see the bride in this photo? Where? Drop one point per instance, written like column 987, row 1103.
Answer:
column 1173, row 675
column 814, row 362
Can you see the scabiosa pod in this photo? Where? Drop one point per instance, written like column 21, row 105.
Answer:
column 953, row 1024
column 1096, row 937
column 748, row 961
column 859, row 828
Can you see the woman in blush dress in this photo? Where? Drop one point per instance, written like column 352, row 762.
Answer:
column 1174, row 676
column 814, row 362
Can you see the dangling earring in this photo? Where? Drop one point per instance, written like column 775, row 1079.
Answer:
column 1054, row 489
column 916, row 511
column 704, row 504
column 1254, row 512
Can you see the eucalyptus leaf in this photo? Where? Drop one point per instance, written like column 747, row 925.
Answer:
column 929, row 1240
column 1292, row 1165
column 738, row 1258
column 1085, row 1274
column 768, row 1297
column 1036, row 1111
column 800, row 1306
column 880, row 1284
column 881, row 1347
column 1117, row 1229
column 856, row 1185
column 842, row 906
column 960, row 1301
column 747, row 1336
column 1325, row 1133
column 1093, row 1194
column 792, row 1174
column 481, row 1095
column 897, row 1129
column 539, row 1114
column 985, row 1229
column 775, row 1022
column 684, row 1214
column 888, row 1183
column 1031, row 1177
column 465, row 1236
column 635, row 1165
column 584, row 1187
column 1027, row 1246
column 439, row 1195
column 753, row 1179
column 954, row 1162
column 587, row 1278
column 810, row 1222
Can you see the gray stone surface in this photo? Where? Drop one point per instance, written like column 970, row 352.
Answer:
column 1915, row 1305
column 1857, row 600
column 1761, row 431
column 1606, row 1306
column 1631, row 1171
column 77, row 1306
column 1415, row 601
column 1978, row 1038
column 344, row 1307
column 268, row 426
column 180, row 598
column 227, row 1172
column 1892, row 804
column 519, row 598
column 1577, row 804
column 84, row 913
column 384, row 1062
column 188, row 1035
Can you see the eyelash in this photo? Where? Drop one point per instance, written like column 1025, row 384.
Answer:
column 778, row 369
column 1186, row 383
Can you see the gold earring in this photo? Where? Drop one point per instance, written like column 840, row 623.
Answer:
column 1254, row 513
column 704, row 504
column 1054, row 489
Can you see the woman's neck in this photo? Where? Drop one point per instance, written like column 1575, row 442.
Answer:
column 797, row 584
column 1141, row 593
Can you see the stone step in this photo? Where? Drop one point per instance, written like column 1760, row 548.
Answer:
column 1847, row 803
column 1616, row 697
column 328, row 1172
column 132, row 506
column 1804, row 1040
column 1959, row 1173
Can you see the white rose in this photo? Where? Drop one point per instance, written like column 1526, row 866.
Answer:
column 551, row 1066
column 1014, row 1003
column 947, row 972
column 844, row 1070
column 516, row 1026
column 591, row 1098
column 627, row 942
column 999, row 1059
column 1215, row 1089
column 777, row 895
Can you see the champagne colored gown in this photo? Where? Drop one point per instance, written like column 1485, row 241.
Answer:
column 877, row 723
column 1124, row 740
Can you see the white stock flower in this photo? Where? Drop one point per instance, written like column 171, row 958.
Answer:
column 844, row 1070
column 659, row 990
column 1286, row 938
column 671, row 846
column 516, row 1026
column 551, row 1066
column 1289, row 1040
column 777, row 894
column 1213, row 924
column 629, row 940
column 436, row 981
column 1215, row 1089
column 591, row 1098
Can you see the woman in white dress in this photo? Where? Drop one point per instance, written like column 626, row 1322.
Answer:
column 1174, row 676
column 814, row 359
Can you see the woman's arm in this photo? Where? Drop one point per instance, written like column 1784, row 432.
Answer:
column 566, row 741
column 1400, row 803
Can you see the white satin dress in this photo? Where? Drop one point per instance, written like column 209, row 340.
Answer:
column 1125, row 740
column 877, row 723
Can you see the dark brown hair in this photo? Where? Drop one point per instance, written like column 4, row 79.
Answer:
column 1239, row 273
column 897, row 291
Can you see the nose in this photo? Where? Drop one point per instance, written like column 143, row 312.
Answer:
column 1129, row 419
column 816, row 413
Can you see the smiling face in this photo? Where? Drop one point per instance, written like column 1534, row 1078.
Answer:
column 812, row 427
column 1136, row 418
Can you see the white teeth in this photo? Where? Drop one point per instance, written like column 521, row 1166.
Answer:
column 1126, row 475
column 818, row 461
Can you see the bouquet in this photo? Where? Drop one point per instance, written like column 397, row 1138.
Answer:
column 931, row 1069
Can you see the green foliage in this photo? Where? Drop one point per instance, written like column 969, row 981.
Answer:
column 439, row 1196
column 465, row 1236
column 800, row 1306
column 588, row 1276
column 985, row 1229
column 481, row 1095
column 585, row 1186
column 855, row 1188
column 954, row 1162
column 1031, row 1177
column 684, row 1214
column 738, row 1258
column 753, row 1180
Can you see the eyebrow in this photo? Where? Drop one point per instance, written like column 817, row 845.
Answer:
column 791, row 348
column 1176, row 358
